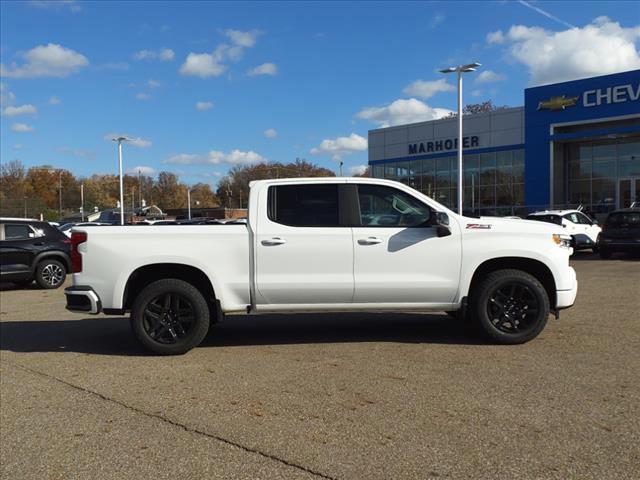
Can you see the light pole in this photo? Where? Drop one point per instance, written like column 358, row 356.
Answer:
column 471, row 67
column 82, row 202
column 120, row 140
column 189, row 203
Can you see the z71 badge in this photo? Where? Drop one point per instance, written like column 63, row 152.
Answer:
column 478, row 226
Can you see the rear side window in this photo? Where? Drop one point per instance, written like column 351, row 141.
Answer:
column 16, row 232
column 624, row 220
column 304, row 205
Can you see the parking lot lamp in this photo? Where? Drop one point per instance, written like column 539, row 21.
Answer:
column 120, row 140
column 189, row 203
column 471, row 67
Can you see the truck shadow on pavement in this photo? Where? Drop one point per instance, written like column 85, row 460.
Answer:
column 112, row 336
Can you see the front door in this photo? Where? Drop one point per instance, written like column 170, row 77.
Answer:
column 303, row 255
column 398, row 255
column 628, row 191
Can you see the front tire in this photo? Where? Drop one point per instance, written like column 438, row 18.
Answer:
column 50, row 274
column 510, row 306
column 170, row 317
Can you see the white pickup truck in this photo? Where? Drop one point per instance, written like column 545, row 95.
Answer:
column 324, row 244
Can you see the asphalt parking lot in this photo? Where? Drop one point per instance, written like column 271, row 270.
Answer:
column 326, row 396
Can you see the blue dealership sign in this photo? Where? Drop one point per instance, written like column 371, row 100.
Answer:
column 579, row 101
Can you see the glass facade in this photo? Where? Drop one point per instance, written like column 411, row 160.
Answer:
column 493, row 182
column 589, row 173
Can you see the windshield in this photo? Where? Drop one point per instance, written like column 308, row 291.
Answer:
column 624, row 220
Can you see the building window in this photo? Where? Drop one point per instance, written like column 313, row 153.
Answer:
column 494, row 181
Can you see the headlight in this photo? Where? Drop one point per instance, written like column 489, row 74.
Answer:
column 562, row 240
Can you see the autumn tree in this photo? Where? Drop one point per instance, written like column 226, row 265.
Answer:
column 473, row 108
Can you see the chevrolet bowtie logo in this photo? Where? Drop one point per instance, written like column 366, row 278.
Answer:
column 557, row 103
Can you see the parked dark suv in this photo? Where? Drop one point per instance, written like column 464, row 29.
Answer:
column 32, row 250
column 620, row 232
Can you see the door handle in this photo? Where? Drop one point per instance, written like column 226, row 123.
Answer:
column 274, row 241
column 370, row 241
column 38, row 244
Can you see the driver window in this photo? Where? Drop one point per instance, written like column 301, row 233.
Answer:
column 382, row 206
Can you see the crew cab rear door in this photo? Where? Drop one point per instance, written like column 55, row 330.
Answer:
column 398, row 256
column 302, row 253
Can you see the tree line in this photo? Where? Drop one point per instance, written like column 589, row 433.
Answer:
column 55, row 193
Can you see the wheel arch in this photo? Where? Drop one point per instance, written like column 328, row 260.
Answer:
column 534, row 267
column 144, row 275
column 55, row 255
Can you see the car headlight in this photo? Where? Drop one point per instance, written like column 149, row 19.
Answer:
column 562, row 240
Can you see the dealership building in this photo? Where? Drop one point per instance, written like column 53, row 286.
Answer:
column 573, row 143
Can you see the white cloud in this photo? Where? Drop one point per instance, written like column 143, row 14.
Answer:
column 71, row 5
column 143, row 96
column 599, row 48
column 340, row 146
column 264, row 69
column 270, row 133
column 489, row 76
column 357, row 170
column 427, row 89
column 50, row 60
column 153, row 83
column 495, row 37
column 242, row 39
column 132, row 140
column 21, row 110
column 214, row 157
column 164, row 55
column 21, row 128
column 54, row 100
column 77, row 152
column 6, row 97
column 436, row 20
column 202, row 106
column 401, row 112
column 143, row 169
column 205, row 65
column 476, row 93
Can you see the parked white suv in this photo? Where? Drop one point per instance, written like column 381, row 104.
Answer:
column 324, row 244
column 584, row 230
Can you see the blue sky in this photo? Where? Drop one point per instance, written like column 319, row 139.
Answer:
column 202, row 86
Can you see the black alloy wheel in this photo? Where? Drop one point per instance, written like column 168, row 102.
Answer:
column 170, row 317
column 510, row 306
column 513, row 307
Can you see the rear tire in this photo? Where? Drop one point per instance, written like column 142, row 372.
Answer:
column 510, row 306
column 605, row 253
column 170, row 317
column 50, row 274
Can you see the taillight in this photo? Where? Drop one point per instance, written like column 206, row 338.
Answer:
column 76, row 259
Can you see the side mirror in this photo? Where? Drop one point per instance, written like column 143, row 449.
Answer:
column 443, row 231
column 440, row 220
